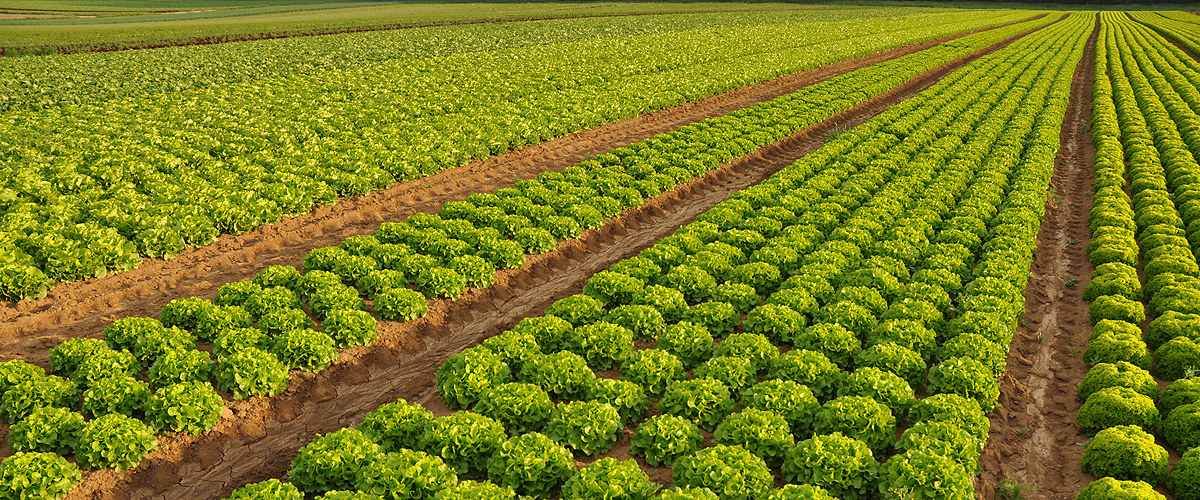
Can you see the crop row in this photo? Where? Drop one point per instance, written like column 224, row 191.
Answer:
column 1173, row 25
column 30, row 83
column 857, row 249
column 1145, row 125
column 92, row 189
column 258, row 328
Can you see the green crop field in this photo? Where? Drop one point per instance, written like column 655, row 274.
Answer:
column 730, row 251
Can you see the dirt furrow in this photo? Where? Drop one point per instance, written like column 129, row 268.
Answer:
column 258, row 438
column 82, row 309
column 1034, row 441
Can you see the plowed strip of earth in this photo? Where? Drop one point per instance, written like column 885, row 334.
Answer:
column 258, row 438
column 82, row 309
column 1034, row 439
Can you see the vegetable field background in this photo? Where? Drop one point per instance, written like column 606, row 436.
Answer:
column 598, row 250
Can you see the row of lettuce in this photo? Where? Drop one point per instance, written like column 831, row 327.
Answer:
column 1144, row 126
column 33, row 83
column 793, row 321
column 1182, row 27
column 93, row 189
column 155, row 375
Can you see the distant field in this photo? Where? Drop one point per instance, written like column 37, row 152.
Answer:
column 81, row 26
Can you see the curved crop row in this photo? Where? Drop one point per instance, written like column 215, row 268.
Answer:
column 260, row 329
column 92, row 189
column 905, row 240
column 1144, row 116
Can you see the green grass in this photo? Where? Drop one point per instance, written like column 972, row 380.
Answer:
column 242, row 17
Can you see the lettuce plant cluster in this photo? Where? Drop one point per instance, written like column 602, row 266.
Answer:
column 1144, row 213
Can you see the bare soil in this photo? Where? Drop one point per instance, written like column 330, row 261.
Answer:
column 259, row 437
column 28, row 329
column 1034, row 439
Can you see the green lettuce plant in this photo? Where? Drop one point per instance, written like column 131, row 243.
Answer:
column 1107, row 488
column 531, row 464
column 752, row 346
column 47, row 429
column 251, row 372
column 396, row 425
column 401, row 304
column 181, row 365
column 519, row 407
column 350, row 328
column 644, row 321
column 1179, row 428
column 465, row 376
column 763, row 433
column 578, row 310
column 858, row 417
column 154, row 344
column 966, row 377
column 332, row 461
column 405, row 474
column 37, row 476
column 662, row 439
column 1119, row 374
column 953, row 409
column 729, row 471
column 1184, row 480
column 627, row 397
column 117, row 394
column 585, row 427
column 809, row 368
column 652, row 369
column 705, row 401
column 20, row 400
column 271, row 489
column 1125, row 452
column 464, row 440
column 470, row 490
column 604, row 345
column 609, row 478
column 690, row 343
column 305, row 350
column 843, row 466
column 917, row 474
column 736, row 373
column 835, row 342
column 105, row 363
column 884, row 387
column 945, row 439
column 114, row 441
column 1115, row 406
column 65, row 358
column 777, row 323
column 280, row 321
column 564, row 374
column 192, row 407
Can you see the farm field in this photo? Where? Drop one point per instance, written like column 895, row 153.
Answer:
column 735, row 251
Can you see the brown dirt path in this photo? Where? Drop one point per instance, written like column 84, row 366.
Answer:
column 81, row 309
column 1034, row 439
column 258, row 438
